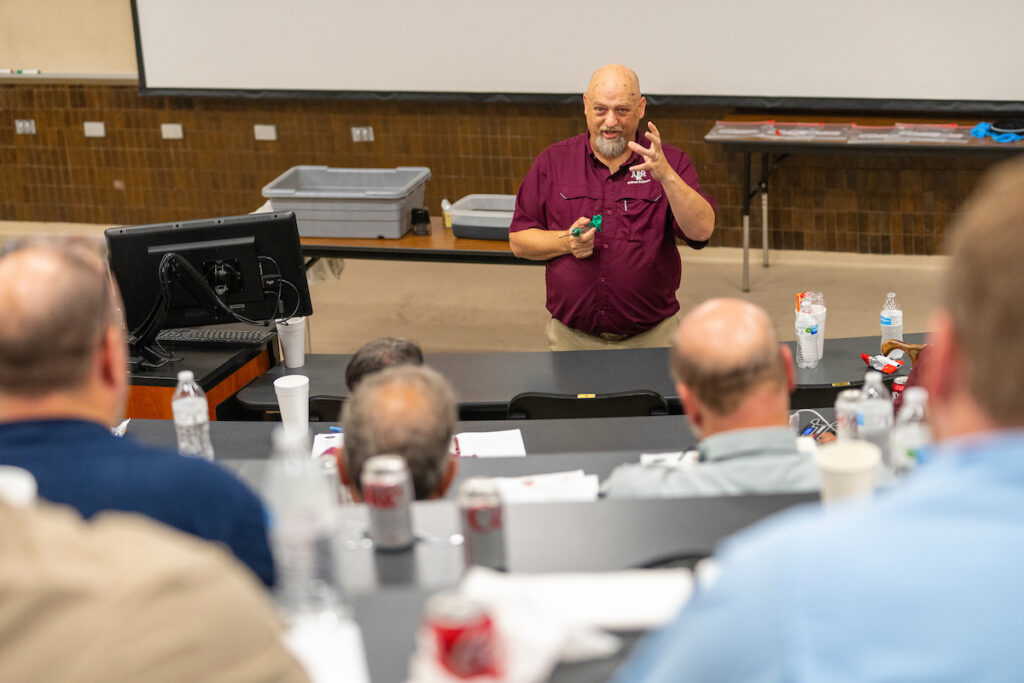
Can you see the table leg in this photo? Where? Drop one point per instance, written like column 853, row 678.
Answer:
column 746, row 221
column 764, row 208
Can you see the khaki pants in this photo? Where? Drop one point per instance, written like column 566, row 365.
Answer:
column 564, row 338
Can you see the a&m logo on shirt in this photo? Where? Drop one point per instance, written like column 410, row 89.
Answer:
column 639, row 178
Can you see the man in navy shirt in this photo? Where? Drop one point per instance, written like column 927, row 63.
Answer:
column 617, row 286
column 63, row 384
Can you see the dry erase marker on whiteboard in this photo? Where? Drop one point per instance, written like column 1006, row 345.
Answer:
column 29, row 72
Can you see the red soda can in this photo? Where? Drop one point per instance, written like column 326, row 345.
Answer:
column 846, row 413
column 483, row 528
column 387, row 491
column 463, row 634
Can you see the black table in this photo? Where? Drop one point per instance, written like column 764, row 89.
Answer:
column 388, row 621
column 782, row 147
column 221, row 372
column 545, row 537
column 485, row 382
column 251, row 440
column 596, row 447
column 840, row 368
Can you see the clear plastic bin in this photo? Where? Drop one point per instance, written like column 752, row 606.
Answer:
column 349, row 202
column 483, row 216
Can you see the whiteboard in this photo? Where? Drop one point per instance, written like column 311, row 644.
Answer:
column 890, row 50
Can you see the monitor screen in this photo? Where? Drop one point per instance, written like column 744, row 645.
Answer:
column 214, row 270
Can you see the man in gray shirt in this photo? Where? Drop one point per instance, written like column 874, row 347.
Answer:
column 734, row 379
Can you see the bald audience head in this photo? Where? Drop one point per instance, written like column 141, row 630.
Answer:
column 730, row 369
column 974, row 365
column 408, row 411
column 62, row 349
column 379, row 354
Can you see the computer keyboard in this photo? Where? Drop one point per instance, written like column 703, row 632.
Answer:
column 211, row 336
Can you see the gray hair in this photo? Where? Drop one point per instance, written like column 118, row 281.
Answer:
column 59, row 302
column 405, row 410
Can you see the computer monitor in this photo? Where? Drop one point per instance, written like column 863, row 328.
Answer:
column 203, row 272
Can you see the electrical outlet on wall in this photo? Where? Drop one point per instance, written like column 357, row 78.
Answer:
column 94, row 129
column 264, row 132
column 362, row 133
column 172, row 131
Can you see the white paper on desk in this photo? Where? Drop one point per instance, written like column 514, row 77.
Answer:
column 631, row 600
column 500, row 444
column 673, row 459
column 545, row 488
column 322, row 442
column 329, row 649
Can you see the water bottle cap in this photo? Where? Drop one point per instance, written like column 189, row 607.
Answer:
column 186, row 376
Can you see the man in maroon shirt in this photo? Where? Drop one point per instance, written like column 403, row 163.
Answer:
column 616, row 287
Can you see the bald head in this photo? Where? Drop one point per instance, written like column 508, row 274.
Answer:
column 58, row 303
column 723, row 350
column 617, row 78
column 405, row 410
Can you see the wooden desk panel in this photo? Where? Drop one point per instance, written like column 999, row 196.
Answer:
column 441, row 245
column 149, row 396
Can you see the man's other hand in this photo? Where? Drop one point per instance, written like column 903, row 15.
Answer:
column 654, row 156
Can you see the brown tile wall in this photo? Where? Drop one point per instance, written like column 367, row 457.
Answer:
column 850, row 201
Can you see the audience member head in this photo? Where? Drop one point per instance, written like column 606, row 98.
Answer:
column 378, row 354
column 614, row 107
column 62, row 350
column 405, row 410
column 730, row 370
column 975, row 367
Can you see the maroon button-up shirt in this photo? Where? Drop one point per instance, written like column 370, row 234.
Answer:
column 629, row 283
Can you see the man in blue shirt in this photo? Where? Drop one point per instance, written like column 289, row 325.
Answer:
column 924, row 583
column 63, row 384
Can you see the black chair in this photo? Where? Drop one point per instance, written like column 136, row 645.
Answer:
column 537, row 405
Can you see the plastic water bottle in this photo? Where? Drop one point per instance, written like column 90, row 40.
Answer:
column 874, row 415
column 911, row 433
column 891, row 318
column 806, row 336
column 191, row 417
column 446, row 212
column 303, row 501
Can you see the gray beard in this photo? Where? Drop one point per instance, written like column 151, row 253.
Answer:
column 610, row 148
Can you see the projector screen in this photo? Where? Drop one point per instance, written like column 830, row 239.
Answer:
column 888, row 54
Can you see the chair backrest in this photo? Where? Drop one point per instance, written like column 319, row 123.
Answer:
column 537, row 405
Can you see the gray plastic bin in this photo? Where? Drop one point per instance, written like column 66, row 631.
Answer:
column 349, row 202
column 483, row 216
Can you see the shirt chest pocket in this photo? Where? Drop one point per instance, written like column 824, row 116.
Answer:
column 570, row 203
column 643, row 212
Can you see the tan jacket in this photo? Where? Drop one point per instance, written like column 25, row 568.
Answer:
column 123, row 598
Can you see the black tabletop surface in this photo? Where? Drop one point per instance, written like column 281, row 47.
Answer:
column 489, row 380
